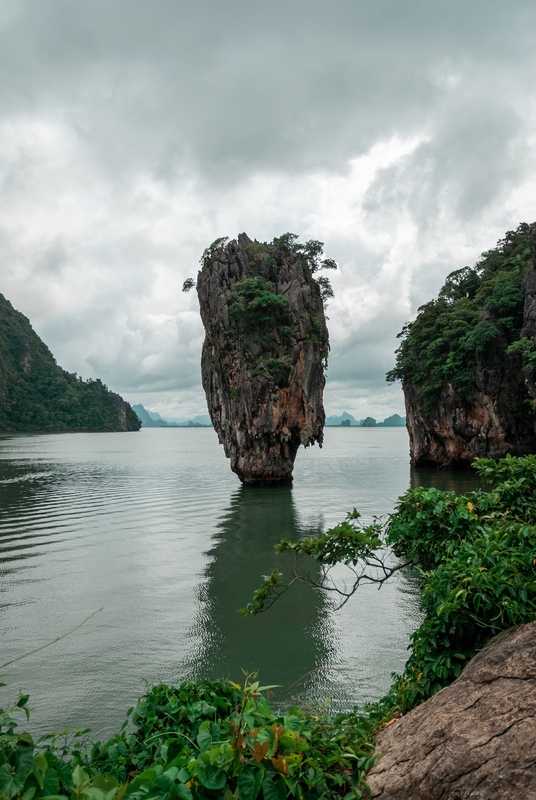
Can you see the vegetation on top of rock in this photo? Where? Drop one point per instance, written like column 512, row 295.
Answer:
column 37, row 395
column 263, row 258
column 478, row 310
column 253, row 304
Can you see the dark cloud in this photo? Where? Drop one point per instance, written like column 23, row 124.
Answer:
column 240, row 85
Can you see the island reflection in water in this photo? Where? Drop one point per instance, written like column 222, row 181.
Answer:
column 287, row 643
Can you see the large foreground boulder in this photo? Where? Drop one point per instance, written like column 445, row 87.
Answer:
column 474, row 739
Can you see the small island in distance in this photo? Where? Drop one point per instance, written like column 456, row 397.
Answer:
column 152, row 419
column 346, row 420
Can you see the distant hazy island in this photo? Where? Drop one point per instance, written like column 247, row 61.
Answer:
column 37, row 395
column 152, row 419
column 346, row 420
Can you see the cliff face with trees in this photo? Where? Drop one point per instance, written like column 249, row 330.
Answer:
column 467, row 363
column 37, row 395
column 265, row 350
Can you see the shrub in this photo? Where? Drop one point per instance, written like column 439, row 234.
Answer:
column 201, row 740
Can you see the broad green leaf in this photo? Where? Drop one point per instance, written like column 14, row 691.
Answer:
column 11, row 783
column 183, row 791
column 212, row 778
column 79, row 776
column 273, row 788
column 51, row 784
column 26, row 762
column 204, row 739
column 249, row 783
column 293, row 723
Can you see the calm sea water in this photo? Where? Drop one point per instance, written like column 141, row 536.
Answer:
column 153, row 532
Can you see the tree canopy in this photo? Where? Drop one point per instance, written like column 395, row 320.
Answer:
column 38, row 395
column 478, row 308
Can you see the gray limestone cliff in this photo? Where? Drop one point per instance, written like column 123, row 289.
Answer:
column 264, row 353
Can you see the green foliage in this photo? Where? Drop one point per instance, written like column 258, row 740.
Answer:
column 326, row 290
column 274, row 366
column 188, row 284
column 485, row 585
column 450, row 336
column 527, row 350
column 37, row 395
column 478, row 339
column 209, row 251
column 426, row 519
column 346, row 543
column 197, row 740
column 311, row 253
column 254, row 304
column 474, row 553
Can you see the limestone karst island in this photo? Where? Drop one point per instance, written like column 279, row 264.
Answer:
column 266, row 345
column 125, row 559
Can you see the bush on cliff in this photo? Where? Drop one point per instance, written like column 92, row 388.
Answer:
column 478, row 310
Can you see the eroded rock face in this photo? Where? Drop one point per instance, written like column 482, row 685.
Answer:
column 474, row 739
column 495, row 418
column 490, row 421
column 262, row 363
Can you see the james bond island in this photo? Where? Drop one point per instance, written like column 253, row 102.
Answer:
column 265, row 350
column 468, row 362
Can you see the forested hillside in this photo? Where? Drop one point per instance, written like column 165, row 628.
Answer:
column 37, row 395
column 467, row 362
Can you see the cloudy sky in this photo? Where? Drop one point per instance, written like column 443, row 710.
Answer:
column 133, row 133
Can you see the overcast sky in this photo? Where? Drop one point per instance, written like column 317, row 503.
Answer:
column 133, row 133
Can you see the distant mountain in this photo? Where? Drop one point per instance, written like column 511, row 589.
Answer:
column 38, row 395
column 202, row 419
column 149, row 419
column 394, row 421
column 345, row 419
column 152, row 419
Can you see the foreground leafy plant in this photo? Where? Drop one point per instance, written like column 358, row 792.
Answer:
column 202, row 740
